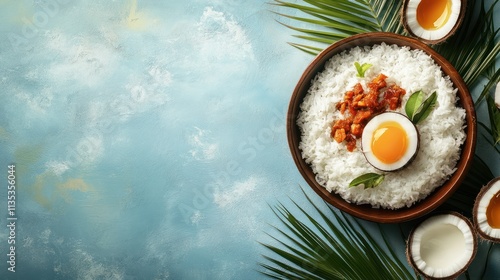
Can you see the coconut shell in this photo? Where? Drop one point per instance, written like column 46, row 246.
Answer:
column 410, row 241
column 404, row 21
column 480, row 195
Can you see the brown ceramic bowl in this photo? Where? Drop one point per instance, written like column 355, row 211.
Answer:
column 436, row 198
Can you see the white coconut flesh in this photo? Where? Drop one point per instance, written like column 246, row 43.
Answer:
column 488, row 224
column 443, row 14
column 442, row 246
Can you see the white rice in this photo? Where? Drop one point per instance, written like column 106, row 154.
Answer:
column 441, row 134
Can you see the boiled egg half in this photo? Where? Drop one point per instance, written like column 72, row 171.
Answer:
column 432, row 21
column 389, row 141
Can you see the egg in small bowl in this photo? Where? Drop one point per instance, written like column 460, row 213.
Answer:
column 432, row 21
column 390, row 141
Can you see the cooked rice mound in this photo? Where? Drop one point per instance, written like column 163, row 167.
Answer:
column 441, row 134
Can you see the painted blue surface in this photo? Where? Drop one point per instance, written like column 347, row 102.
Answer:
column 148, row 137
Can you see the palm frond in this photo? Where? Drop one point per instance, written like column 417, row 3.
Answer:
column 305, row 48
column 494, row 114
column 324, row 21
column 464, row 197
column 495, row 146
column 478, row 45
column 322, row 249
column 332, row 21
column 488, row 254
column 494, row 78
column 494, row 126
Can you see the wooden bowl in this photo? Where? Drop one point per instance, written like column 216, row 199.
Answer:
column 440, row 194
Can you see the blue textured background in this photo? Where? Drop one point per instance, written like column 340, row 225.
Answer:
column 149, row 137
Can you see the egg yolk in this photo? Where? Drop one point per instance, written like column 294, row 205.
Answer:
column 493, row 211
column 433, row 14
column 389, row 142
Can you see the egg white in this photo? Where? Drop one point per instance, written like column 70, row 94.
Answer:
column 367, row 136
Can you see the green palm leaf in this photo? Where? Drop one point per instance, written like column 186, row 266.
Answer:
column 322, row 249
column 332, row 21
column 478, row 48
column 463, row 199
column 494, row 129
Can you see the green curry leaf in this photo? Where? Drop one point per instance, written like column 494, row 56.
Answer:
column 414, row 103
column 361, row 68
column 425, row 109
column 369, row 180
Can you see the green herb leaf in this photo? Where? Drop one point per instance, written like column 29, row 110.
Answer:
column 414, row 103
column 361, row 68
column 369, row 180
column 425, row 109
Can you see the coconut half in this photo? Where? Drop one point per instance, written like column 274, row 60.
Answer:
column 432, row 21
column 486, row 211
column 442, row 246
